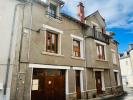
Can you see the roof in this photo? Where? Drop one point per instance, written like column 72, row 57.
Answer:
column 74, row 19
column 116, row 42
column 95, row 14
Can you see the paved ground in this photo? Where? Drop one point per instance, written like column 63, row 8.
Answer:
column 128, row 96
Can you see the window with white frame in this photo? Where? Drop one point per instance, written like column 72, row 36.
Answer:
column 114, row 57
column 52, row 40
column 53, row 10
column 77, row 46
column 100, row 51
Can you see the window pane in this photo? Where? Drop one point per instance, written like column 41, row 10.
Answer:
column 52, row 72
column 53, row 9
column 100, row 51
column 76, row 48
column 52, row 41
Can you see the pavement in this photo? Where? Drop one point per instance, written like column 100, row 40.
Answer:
column 128, row 95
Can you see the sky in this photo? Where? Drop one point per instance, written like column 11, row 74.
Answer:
column 117, row 13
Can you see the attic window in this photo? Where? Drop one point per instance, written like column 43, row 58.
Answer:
column 53, row 10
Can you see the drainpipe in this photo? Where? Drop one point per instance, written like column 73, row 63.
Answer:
column 86, row 70
column 85, row 62
column 110, row 81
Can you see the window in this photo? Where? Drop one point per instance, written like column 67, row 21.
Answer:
column 117, row 77
column 53, row 10
column 54, row 72
column 76, row 48
column 114, row 58
column 116, row 80
column 100, row 51
column 51, row 42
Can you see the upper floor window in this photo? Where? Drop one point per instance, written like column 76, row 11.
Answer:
column 76, row 48
column 100, row 51
column 51, row 42
column 114, row 57
column 53, row 10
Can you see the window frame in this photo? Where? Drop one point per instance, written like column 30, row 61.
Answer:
column 56, row 31
column 55, row 43
column 105, row 52
column 76, row 47
column 82, row 50
column 54, row 9
column 114, row 56
column 117, row 77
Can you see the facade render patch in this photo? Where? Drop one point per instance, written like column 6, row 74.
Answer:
column 63, row 58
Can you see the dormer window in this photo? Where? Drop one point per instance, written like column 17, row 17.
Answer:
column 53, row 10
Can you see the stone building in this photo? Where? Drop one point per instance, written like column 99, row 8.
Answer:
column 126, row 65
column 59, row 57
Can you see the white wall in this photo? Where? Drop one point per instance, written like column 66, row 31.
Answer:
column 6, row 19
column 126, row 71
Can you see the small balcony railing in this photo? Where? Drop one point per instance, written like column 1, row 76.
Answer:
column 53, row 15
column 98, row 35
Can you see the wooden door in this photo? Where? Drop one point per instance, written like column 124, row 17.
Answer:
column 54, row 85
column 78, row 91
column 37, row 90
column 50, row 83
column 98, row 82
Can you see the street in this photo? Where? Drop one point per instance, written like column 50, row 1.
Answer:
column 128, row 96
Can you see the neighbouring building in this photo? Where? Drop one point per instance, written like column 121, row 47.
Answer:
column 126, row 65
column 59, row 57
column 7, row 45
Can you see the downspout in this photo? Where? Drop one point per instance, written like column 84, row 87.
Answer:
column 85, row 62
column 110, row 82
column 86, row 70
column 10, row 49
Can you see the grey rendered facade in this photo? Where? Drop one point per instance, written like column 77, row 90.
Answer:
column 32, row 25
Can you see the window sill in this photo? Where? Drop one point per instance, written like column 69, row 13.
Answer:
column 79, row 58
column 102, row 60
column 52, row 54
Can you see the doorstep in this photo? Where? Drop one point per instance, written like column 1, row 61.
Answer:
column 105, row 97
column 100, row 97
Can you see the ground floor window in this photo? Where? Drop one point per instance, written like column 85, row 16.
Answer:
column 117, row 79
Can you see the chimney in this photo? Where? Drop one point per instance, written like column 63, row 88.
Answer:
column 81, row 11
